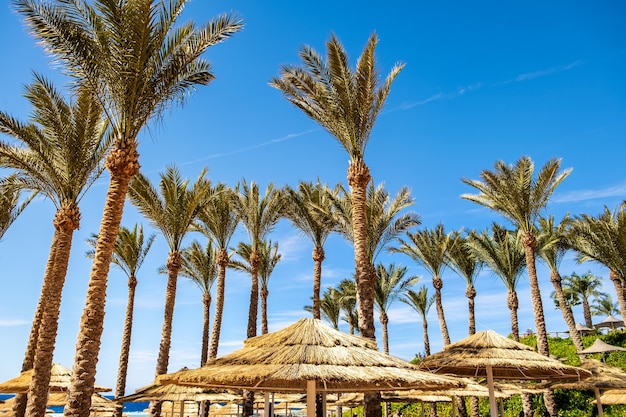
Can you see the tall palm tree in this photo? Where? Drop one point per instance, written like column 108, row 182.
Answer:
column 502, row 251
column 347, row 298
column 330, row 306
column 602, row 239
column 259, row 216
column 172, row 212
column 268, row 258
column 390, row 284
column 552, row 248
column 584, row 287
column 199, row 265
column 512, row 192
column 130, row 252
column 11, row 203
column 604, row 306
column 59, row 154
column 429, row 248
column 138, row 59
column 461, row 259
column 218, row 221
column 421, row 303
column 346, row 103
column 310, row 211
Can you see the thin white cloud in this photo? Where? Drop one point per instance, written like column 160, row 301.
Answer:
column 542, row 73
column 13, row 322
column 584, row 195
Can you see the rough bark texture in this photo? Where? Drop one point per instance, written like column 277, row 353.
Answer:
column 120, row 386
column 222, row 262
column 568, row 316
column 445, row 336
column 620, row 291
column 529, row 242
column 358, row 178
column 19, row 406
column 384, row 321
column 206, row 303
column 426, row 340
column 264, row 294
column 587, row 313
column 66, row 221
column 253, row 312
column 470, row 293
column 513, row 304
column 174, row 261
column 318, row 258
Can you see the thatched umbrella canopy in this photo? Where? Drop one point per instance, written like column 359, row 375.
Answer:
column 487, row 354
column 603, row 376
column 600, row 346
column 310, row 357
column 610, row 322
column 613, row 397
column 59, row 381
column 178, row 393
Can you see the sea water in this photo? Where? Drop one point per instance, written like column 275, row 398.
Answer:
column 135, row 409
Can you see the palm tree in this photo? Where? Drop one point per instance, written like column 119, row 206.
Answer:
column 199, row 265
column 390, row 284
column 602, row 239
column 551, row 248
column 346, row 103
column 347, row 299
column 309, row 211
column 130, row 252
column 461, row 259
column 512, row 192
column 258, row 215
column 421, row 303
column 138, row 59
column 330, row 306
column 218, row 221
column 268, row 258
column 11, row 204
column 59, row 154
column 429, row 249
column 172, row 212
column 604, row 306
column 584, row 288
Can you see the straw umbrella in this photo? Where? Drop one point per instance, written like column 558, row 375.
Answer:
column 487, row 354
column 610, row 322
column 613, row 397
column 309, row 357
column 59, row 381
column 603, row 376
column 602, row 347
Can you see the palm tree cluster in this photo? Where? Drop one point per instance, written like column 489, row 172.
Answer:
column 128, row 61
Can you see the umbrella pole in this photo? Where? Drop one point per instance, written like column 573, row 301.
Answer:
column 310, row 398
column 598, row 402
column 493, row 408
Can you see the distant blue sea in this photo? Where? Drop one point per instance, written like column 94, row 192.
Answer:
column 135, row 408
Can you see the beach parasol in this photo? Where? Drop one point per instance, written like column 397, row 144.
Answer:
column 599, row 346
column 488, row 354
column 309, row 357
column 603, row 376
column 613, row 397
column 610, row 322
column 59, row 381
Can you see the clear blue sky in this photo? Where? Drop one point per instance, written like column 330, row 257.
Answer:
column 483, row 82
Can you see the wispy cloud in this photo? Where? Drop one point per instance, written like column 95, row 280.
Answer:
column 481, row 85
column 584, row 195
column 13, row 322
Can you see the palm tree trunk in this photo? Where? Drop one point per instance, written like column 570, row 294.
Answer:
column 222, row 261
column 529, row 243
column 620, row 291
column 173, row 266
column 253, row 311
column 568, row 316
column 384, row 321
column 513, row 304
column 587, row 312
column 426, row 340
column 264, row 294
column 470, row 293
column 358, row 178
column 120, row 386
column 206, row 302
column 66, row 220
column 123, row 163
column 19, row 405
column 318, row 258
column 438, row 284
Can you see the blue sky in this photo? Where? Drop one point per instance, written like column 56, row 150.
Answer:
column 483, row 82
